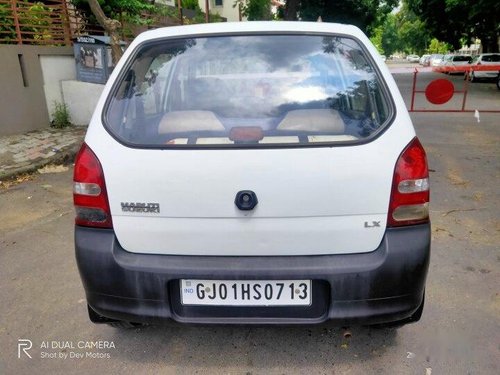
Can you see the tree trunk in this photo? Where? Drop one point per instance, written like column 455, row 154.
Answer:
column 490, row 43
column 291, row 8
column 111, row 26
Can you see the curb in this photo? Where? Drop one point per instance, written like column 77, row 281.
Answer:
column 62, row 157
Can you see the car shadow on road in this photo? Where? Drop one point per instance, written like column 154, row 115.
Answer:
column 219, row 348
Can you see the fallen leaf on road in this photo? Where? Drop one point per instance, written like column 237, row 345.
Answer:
column 410, row 355
column 456, row 179
column 53, row 169
column 16, row 180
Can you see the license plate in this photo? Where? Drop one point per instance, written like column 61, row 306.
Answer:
column 246, row 292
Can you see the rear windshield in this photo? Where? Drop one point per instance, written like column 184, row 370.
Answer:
column 491, row 58
column 461, row 58
column 248, row 90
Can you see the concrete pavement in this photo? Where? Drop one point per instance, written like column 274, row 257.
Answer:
column 28, row 152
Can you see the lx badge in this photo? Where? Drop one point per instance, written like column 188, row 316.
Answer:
column 374, row 224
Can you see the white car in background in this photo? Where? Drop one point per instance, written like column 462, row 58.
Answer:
column 446, row 58
column 482, row 60
column 422, row 59
column 252, row 173
column 435, row 59
column 458, row 61
column 413, row 58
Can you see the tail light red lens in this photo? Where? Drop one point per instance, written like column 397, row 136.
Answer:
column 89, row 191
column 409, row 203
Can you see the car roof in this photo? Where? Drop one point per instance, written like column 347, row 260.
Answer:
column 249, row 27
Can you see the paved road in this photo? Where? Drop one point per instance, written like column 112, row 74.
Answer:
column 42, row 299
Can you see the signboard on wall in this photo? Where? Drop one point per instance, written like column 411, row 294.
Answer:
column 93, row 58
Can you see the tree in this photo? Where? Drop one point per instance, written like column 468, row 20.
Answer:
column 435, row 46
column 391, row 41
column 458, row 21
column 255, row 10
column 190, row 4
column 377, row 39
column 412, row 32
column 110, row 13
column 111, row 26
column 386, row 37
column 365, row 14
column 406, row 32
column 291, row 9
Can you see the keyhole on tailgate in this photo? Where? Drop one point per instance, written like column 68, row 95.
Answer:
column 246, row 200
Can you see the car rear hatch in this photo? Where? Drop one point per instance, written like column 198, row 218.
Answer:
column 307, row 129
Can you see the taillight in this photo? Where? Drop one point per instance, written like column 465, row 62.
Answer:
column 410, row 188
column 89, row 191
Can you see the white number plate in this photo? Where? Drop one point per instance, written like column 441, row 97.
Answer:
column 246, row 292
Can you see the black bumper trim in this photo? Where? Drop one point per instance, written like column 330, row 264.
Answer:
column 381, row 286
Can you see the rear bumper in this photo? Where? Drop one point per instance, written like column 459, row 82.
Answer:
column 381, row 286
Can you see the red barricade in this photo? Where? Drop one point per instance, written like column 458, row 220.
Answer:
column 440, row 91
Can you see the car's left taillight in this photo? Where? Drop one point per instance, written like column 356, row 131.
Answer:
column 89, row 191
column 409, row 204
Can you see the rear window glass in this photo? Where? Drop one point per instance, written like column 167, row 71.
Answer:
column 491, row 58
column 248, row 90
column 461, row 58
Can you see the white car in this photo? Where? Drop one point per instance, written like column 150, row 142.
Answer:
column 253, row 172
column 435, row 59
column 446, row 59
column 482, row 60
column 422, row 59
column 456, row 61
column 413, row 58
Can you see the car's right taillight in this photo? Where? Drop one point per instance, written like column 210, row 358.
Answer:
column 89, row 191
column 409, row 203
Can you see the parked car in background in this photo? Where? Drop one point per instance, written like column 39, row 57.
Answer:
column 383, row 57
column 422, row 59
column 413, row 58
column 427, row 61
column 482, row 60
column 458, row 60
column 445, row 59
column 252, row 173
column 435, row 59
